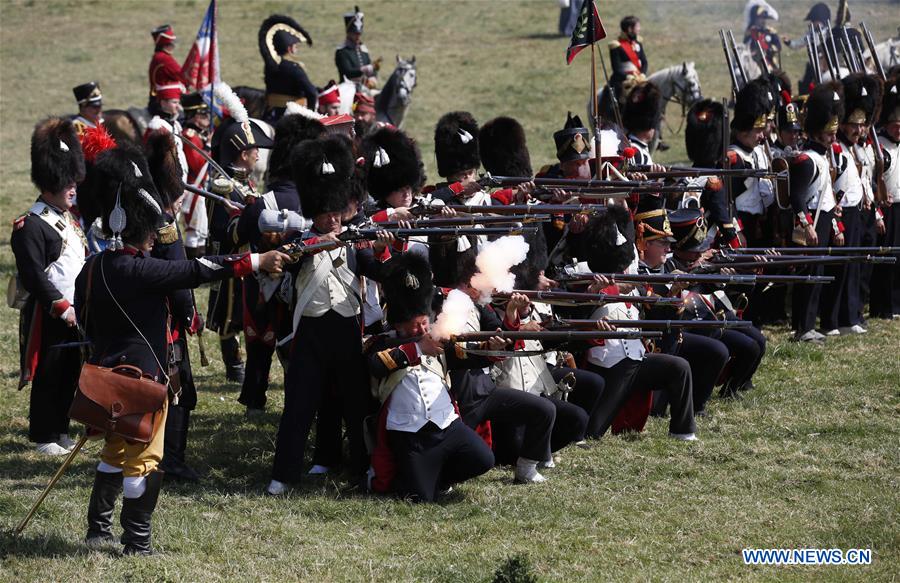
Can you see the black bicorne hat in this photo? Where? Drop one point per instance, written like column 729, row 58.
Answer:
column 233, row 137
column 456, row 143
column 276, row 34
column 504, row 150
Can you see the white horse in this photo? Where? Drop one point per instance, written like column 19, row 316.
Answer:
column 396, row 95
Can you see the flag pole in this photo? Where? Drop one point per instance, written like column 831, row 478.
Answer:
column 594, row 100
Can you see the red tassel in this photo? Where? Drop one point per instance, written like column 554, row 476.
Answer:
column 96, row 140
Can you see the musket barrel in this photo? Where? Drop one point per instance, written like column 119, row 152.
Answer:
column 587, row 298
column 659, row 324
column 816, row 250
column 212, row 196
column 554, row 335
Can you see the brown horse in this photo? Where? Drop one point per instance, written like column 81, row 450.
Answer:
column 126, row 126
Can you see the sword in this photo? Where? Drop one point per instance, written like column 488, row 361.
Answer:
column 212, row 163
column 52, row 483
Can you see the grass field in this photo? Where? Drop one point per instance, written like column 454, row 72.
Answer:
column 811, row 458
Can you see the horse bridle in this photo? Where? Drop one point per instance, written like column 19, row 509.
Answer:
column 680, row 97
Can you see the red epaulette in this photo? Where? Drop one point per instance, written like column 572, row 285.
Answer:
column 714, row 184
column 801, row 157
column 732, row 157
column 19, row 222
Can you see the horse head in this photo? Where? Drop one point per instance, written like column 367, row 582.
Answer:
column 689, row 84
column 405, row 73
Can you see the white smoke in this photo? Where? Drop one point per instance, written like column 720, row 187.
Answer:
column 494, row 262
column 453, row 316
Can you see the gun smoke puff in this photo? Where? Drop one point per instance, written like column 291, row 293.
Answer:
column 453, row 316
column 494, row 263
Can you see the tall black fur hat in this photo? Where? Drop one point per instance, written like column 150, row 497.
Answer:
column 753, row 106
column 642, row 109
column 504, row 150
column 529, row 271
column 122, row 174
column 824, row 108
column 606, row 247
column 449, row 266
column 290, row 131
column 408, row 287
column 323, row 169
column 456, row 143
column 393, row 162
column 703, row 132
column 56, row 156
column 165, row 167
column 862, row 98
column 890, row 105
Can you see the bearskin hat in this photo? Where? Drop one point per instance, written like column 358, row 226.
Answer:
column 290, row 131
column 824, row 108
column 122, row 174
column 703, row 132
column 603, row 246
column 504, row 151
column 408, row 287
column 642, row 108
column 165, row 167
column 323, row 169
column 56, row 156
column 862, row 98
column 456, row 143
column 753, row 105
column 529, row 271
column 449, row 266
column 393, row 162
column 890, row 106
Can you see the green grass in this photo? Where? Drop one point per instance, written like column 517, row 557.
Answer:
column 809, row 459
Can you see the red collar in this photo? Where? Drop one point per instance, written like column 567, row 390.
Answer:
column 129, row 250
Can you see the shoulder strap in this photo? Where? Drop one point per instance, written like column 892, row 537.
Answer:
column 87, row 292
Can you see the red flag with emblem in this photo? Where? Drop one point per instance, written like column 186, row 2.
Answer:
column 588, row 30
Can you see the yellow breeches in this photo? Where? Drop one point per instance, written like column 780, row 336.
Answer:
column 136, row 459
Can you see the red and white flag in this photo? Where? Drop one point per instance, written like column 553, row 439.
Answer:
column 201, row 66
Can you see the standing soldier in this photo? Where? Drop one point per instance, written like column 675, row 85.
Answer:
column 50, row 249
column 813, row 198
column 164, row 69
column 885, row 294
column 197, row 130
column 626, row 55
column 641, row 115
column 352, row 57
column 286, row 79
column 90, row 106
column 757, row 13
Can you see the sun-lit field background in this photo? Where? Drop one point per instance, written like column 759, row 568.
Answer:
column 808, row 459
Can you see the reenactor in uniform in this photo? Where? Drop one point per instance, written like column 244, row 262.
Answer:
column 862, row 99
column 164, row 69
column 122, row 297
column 626, row 55
column 363, row 115
column 352, row 58
column 812, row 196
column 330, row 99
column 757, row 30
column 267, row 308
column 641, row 115
column 235, row 146
column 196, row 128
column 90, row 106
column 286, row 79
column 50, row 248
column 885, row 294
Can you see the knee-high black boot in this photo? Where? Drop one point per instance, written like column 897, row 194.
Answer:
column 178, row 420
column 231, row 357
column 107, row 488
column 136, row 515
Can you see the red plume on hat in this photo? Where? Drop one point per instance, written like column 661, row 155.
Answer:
column 94, row 141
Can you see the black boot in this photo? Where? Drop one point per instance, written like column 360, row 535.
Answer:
column 135, row 517
column 177, row 422
column 231, row 357
column 107, row 488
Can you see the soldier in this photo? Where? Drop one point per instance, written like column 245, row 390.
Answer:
column 235, row 146
column 352, row 58
column 121, row 299
column 862, row 99
column 626, row 54
column 50, row 248
column 757, row 15
column 330, row 99
column 363, row 115
column 812, row 196
column 196, row 129
column 164, row 69
column 641, row 115
column 286, row 79
column 885, row 294
column 267, row 308
column 90, row 106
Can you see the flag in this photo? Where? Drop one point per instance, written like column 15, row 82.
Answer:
column 588, row 30
column 201, row 66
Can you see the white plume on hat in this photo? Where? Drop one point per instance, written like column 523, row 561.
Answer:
column 294, row 108
column 232, row 102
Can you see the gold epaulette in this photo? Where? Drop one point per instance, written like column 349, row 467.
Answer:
column 189, row 132
column 388, row 360
column 614, row 44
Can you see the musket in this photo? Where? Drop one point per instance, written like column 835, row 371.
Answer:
column 461, row 221
column 694, row 278
column 817, row 250
column 737, row 60
column 871, row 43
column 729, row 60
column 813, row 56
column 845, row 50
column 767, row 70
column 584, row 299
column 601, row 193
column 487, row 180
column 553, row 335
column 832, row 68
column 792, row 262
column 512, row 209
column 834, row 49
column 881, row 195
column 667, row 325
column 238, row 187
column 213, row 196
column 682, row 172
column 610, row 94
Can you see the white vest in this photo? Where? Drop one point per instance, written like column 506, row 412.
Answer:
column 758, row 193
column 65, row 269
column 892, row 172
column 848, row 184
column 821, row 188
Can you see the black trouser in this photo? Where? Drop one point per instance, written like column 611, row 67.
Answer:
column 869, row 238
column 707, row 358
column 257, row 369
column 672, row 375
column 510, row 409
column 805, row 303
column 586, row 394
column 765, row 303
column 840, row 298
column 884, row 300
column 617, row 388
column 329, row 431
column 326, row 350
column 508, row 440
column 54, row 382
column 432, row 458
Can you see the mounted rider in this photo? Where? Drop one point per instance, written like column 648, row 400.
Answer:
column 90, row 106
column 286, row 79
column 626, row 55
column 352, row 58
column 164, row 69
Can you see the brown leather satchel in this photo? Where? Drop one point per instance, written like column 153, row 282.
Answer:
column 120, row 400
